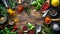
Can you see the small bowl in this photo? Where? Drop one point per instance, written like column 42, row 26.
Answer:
column 3, row 18
column 53, row 12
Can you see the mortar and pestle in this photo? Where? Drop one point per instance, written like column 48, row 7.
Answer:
column 3, row 19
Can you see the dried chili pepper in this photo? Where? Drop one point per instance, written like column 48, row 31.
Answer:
column 31, row 32
column 45, row 6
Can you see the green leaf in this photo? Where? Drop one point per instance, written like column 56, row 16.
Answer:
column 38, row 7
column 34, row 3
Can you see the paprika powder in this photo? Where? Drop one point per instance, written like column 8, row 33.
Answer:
column 47, row 20
column 19, row 9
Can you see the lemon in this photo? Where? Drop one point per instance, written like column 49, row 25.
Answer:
column 55, row 3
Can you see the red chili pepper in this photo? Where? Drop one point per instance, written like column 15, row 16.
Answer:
column 45, row 6
column 14, row 28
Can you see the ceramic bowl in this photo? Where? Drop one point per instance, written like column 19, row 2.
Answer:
column 3, row 18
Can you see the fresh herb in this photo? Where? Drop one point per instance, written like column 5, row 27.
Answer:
column 3, row 9
column 47, row 30
column 37, row 3
column 6, row 31
column 12, row 3
column 27, row 10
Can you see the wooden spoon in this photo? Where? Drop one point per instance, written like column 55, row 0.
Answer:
column 48, row 20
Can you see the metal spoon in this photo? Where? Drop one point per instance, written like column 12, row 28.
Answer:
column 38, row 29
column 5, row 3
column 44, row 15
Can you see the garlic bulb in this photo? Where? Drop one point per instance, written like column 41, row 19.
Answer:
column 55, row 27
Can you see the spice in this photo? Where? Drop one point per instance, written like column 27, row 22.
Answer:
column 53, row 12
column 11, row 22
column 25, row 28
column 31, row 32
column 16, row 20
column 19, row 9
column 45, row 6
column 47, row 20
column 14, row 28
column 11, row 12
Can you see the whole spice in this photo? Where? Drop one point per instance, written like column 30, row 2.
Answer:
column 53, row 12
column 25, row 28
column 16, row 20
column 11, row 12
column 45, row 6
column 21, row 31
column 14, row 28
column 31, row 32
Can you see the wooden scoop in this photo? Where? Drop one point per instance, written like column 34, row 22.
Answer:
column 48, row 20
